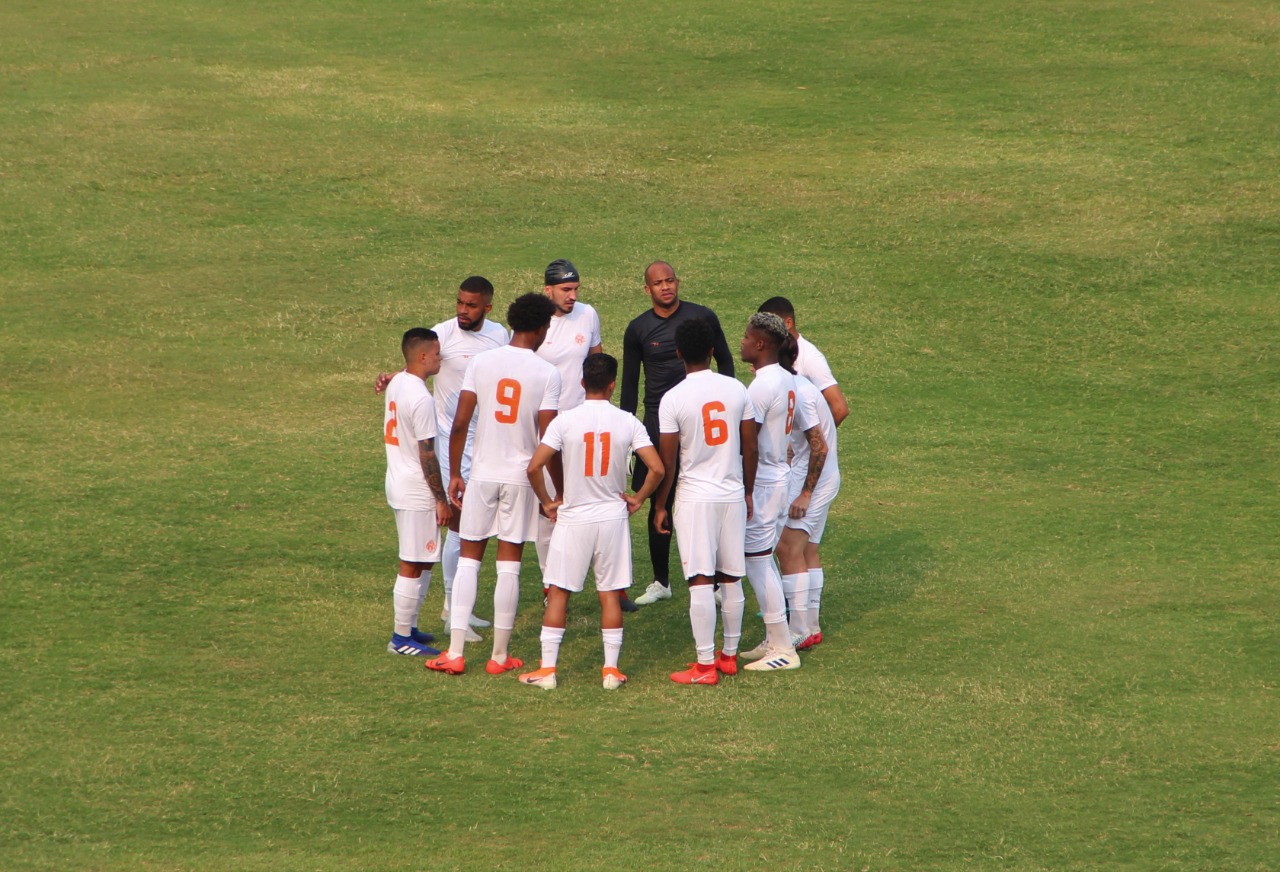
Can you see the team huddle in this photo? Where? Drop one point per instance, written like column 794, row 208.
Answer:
column 535, row 451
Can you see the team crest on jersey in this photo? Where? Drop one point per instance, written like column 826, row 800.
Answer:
column 579, row 339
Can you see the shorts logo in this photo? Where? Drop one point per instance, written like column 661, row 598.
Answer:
column 579, row 339
column 431, row 547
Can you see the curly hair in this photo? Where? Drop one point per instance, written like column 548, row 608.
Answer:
column 529, row 313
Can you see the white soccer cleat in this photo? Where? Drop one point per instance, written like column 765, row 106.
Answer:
column 755, row 653
column 472, row 635
column 797, row 641
column 776, row 660
column 479, row 622
column 655, row 592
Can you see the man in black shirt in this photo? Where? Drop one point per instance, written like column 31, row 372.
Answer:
column 649, row 342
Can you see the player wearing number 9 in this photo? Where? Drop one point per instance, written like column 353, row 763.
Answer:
column 513, row 395
column 708, row 421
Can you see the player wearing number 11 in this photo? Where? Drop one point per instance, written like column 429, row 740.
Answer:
column 513, row 395
column 591, row 529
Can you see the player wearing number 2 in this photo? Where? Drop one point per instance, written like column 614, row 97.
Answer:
column 415, row 490
column 513, row 395
column 708, row 421
column 591, row 529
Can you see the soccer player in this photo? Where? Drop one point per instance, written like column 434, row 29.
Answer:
column 591, row 529
column 461, row 338
column 415, row 490
column 708, row 422
column 798, row 557
column 512, row 395
column 573, row 337
column 810, row 362
column 649, row 344
column 773, row 396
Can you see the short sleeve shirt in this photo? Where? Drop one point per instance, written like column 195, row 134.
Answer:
column 457, row 347
column 408, row 417
column 594, row 441
column 707, row 410
column 511, row 386
column 811, row 403
column 812, row 364
column 570, row 338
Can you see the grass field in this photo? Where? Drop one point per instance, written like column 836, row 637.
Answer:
column 1038, row 242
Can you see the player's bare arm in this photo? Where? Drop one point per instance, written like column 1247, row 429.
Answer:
column 750, row 460
column 431, row 471
column 837, row 403
column 542, row 456
column 458, row 443
column 656, row 473
column 669, row 445
column 817, row 459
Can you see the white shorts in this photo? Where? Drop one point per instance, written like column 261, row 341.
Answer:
column 814, row 521
column 419, row 535
column 769, row 510
column 711, row 537
column 604, row 546
column 492, row 508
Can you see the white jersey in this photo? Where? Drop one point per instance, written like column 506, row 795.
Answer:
column 457, row 347
column 810, row 402
column 773, row 394
column 570, row 338
column 812, row 364
column 707, row 410
column 511, row 386
column 594, row 441
column 409, row 416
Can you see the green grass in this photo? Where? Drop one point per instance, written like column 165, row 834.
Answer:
column 1038, row 242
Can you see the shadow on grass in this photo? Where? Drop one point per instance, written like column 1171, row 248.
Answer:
column 867, row 575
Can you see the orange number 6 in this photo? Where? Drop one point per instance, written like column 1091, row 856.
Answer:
column 508, row 396
column 714, row 430
column 389, row 436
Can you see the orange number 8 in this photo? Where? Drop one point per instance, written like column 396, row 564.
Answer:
column 508, row 396
column 714, row 430
column 791, row 409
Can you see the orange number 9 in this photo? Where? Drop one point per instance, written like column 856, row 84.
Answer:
column 509, row 398
column 714, row 430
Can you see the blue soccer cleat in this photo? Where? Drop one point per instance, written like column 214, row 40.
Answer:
column 409, row 647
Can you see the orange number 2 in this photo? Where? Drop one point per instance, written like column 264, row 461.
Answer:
column 509, row 397
column 714, row 430
column 389, row 436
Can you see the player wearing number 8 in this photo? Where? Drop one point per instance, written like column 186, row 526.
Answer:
column 708, row 421
column 513, row 395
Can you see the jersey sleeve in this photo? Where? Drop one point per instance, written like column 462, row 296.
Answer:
column 639, row 435
column 595, row 330
column 667, row 422
column 554, row 437
column 551, row 393
column 749, row 411
column 805, row 415
column 818, row 370
column 758, row 410
column 629, row 400
column 424, row 417
column 469, row 377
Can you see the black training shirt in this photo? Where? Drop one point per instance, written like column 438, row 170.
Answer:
column 651, row 341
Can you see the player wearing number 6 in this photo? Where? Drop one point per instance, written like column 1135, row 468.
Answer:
column 591, row 529
column 708, row 420
column 513, row 395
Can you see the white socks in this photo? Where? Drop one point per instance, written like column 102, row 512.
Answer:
column 462, row 602
column 796, row 589
column 763, row 575
column 733, row 603
column 506, row 600
column 551, row 638
column 702, row 618
column 612, row 646
column 449, row 562
column 815, row 599
column 406, row 600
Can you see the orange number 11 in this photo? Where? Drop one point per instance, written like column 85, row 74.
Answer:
column 590, row 439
